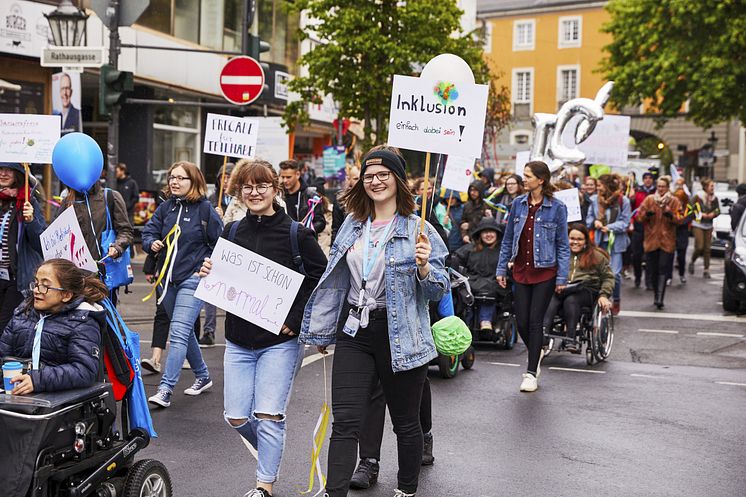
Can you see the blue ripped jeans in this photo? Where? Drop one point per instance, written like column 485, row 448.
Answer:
column 259, row 381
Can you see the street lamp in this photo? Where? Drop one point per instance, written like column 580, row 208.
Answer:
column 67, row 23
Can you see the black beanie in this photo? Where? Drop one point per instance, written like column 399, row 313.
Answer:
column 385, row 158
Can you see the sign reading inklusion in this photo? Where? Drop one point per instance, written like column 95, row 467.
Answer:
column 437, row 116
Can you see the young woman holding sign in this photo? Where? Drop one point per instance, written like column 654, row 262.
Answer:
column 186, row 226
column 260, row 366
column 372, row 300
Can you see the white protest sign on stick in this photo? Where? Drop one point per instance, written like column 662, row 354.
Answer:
column 571, row 198
column 458, row 173
column 521, row 159
column 608, row 144
column 249, row 286
column 63, row 239
column 231, row 136
column 28, row 138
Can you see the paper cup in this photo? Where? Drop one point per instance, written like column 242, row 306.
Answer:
column 11, row 370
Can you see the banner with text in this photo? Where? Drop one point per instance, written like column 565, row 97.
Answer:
column 608, row 144
column 458, row 173
column 63, row 239
column 437, row 116
column 250, row 286
column 28, row 137
column 231, row 136
column 571, row 198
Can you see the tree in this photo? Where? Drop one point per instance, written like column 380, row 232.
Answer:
column 665, row 52
column 365, row 43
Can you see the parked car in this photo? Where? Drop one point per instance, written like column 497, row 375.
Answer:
column 721, row 233
column 734, row 283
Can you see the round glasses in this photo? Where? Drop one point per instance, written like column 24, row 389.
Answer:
column 44, row 289
column 260, row 189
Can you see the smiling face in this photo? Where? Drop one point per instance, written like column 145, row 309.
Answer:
column 379, row 183
column 179, row 182
column 66, row 90
column 511, row 186
column 589, row 186
column 7, row 177
column 661, row 187
column 54, row 299
column 421, row 189
column 258, row 198
column 489, row 237
column 577, row 241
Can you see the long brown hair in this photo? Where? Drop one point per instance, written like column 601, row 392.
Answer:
column 541, row 171
column 357, row 202
column 198, row 188
column 78, row 282
column 591, row 255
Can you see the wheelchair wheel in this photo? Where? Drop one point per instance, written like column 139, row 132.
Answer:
column 509, row 332
column 590, row 357
column 448, row 365
column 604, row 336
column 148, row 478
column 468, row 358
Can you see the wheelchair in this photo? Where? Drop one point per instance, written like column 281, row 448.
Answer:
column 595, row 333
column 504, row 332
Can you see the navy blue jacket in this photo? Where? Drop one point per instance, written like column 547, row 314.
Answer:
column 70, row 344
column 200, row 229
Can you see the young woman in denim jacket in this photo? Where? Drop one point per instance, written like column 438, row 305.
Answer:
column 380, row 277
column 535, row 244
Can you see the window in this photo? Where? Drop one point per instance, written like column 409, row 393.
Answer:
column 522, row 92
column 567, row 83
column 487, row 47
column 520, row 137
column 570, row 30
column 523, row 34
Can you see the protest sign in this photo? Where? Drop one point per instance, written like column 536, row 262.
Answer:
column 28, row 138
column 571, row 199
column 250, row 286
column 458, row 173
column 521, row 159
column 273, row 143
column 63, row 239
column 437, row 116
column 333, row 160
column 608, row 144
column 231, row 136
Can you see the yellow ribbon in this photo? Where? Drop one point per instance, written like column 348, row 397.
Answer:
column 319, row 435
column 170, row 245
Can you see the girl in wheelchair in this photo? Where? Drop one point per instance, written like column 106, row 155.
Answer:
column 59, row 327
column 590, row 275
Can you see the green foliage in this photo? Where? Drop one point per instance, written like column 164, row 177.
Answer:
column 365, row 43
column 671, row 51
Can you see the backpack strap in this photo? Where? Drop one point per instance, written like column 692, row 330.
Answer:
column 204, row 221
column 232, row 233
column 295, row 247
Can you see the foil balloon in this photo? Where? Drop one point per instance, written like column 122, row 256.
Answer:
column 543, row 129
column 584, row 106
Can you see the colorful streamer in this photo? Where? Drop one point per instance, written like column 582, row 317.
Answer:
column 170, row 244
column 319, row 435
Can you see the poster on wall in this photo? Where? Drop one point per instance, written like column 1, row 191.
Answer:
column 23, row 28
column 66, row 101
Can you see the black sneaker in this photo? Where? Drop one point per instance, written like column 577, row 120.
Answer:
column 366, row 474
column 427, row 450
column 207, row 340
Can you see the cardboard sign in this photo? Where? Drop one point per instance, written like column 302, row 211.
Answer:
column 437, row 116
column 458, row 173
column 250, row 286
column 28, row 138
column 231, row 136
column 608, row 144
column 63, row 239
column 571, row 198
column 521, row 159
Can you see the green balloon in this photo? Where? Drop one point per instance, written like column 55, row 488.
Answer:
column 451, row 335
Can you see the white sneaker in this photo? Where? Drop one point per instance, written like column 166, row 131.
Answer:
column 541, row 358
column 529, row 383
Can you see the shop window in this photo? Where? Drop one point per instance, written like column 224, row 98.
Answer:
column 186, row 20
column 157, row 16
column 176, row 137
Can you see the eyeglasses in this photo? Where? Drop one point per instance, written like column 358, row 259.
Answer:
column 180, row 179
column 383, row 176
column 512, row 183
column 260, row 189
column 44, row 289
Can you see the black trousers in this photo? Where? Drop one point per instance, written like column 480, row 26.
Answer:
column 682, row 242
column 10, row 298
column 161, row 326
column 570, row 304
column 638, row 255
column 657, row 263
column 359, row 363
column 371, row 432
column 530, row 303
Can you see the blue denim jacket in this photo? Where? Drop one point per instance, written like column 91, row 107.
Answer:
column 619, row 226
column 407, row 296
column 551, row 245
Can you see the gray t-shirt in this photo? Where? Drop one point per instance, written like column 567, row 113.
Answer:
column 375, row 288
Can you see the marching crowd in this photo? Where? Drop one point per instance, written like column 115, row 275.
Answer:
column 376, row 278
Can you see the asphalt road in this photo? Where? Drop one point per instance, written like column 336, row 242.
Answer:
column 663, row 417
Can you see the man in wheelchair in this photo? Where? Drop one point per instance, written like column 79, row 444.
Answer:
column 590, row 276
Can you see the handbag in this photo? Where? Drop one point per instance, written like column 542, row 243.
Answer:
column 118, row 270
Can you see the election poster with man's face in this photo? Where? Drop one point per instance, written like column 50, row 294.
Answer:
column 66, row 100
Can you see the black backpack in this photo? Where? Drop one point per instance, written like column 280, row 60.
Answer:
column 294, row 246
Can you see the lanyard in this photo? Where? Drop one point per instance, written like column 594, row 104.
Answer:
column 369, row 262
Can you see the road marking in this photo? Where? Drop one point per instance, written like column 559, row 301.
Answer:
column 201, row 346
column 730, row 383
column 638, row 375
column 674, row 315
column 592, row 371
column 717, row 334
column 504, row 364
column 670, row 332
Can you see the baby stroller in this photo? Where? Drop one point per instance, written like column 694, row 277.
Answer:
column 67, row 444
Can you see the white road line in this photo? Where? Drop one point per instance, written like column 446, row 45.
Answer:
column 674, row 315
column 201, row 347
column 505, row 364
column 670, row 332
column 716, row 334
column 730, row 383
column 638, row 375
column 592, row 371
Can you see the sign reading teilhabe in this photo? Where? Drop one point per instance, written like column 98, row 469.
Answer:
column 28, row 138
column 63, row 239
column 249, row 286
column 437, row 116
column 242, row 80
column 231, row 136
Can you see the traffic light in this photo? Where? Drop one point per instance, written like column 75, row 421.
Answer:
column 112, row 86
column 257, row 46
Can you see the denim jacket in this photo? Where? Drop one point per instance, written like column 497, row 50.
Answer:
column 618, row 226
column 551, row 245
column 407, row 295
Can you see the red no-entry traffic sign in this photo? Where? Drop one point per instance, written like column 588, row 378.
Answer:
column 242, row 80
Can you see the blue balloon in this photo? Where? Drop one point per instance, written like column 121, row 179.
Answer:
column 77, row 160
